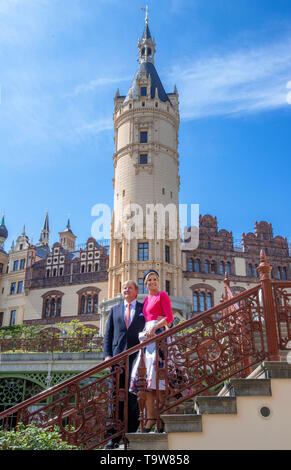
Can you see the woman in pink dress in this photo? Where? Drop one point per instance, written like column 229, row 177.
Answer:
column 158, row 315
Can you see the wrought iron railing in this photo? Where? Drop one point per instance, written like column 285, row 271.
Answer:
column 196, row 355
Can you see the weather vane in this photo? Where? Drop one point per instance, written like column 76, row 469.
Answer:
column 146, row 9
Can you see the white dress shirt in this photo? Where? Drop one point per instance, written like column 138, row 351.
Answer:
column 132, row 309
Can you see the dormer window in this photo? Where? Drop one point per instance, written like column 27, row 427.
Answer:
column 143, row 91
column 149, row 51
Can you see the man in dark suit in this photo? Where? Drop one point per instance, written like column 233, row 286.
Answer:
column 124, row 323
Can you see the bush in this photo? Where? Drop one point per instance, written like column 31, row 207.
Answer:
column 33, row 438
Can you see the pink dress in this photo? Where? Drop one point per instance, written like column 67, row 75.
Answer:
column 156, row 305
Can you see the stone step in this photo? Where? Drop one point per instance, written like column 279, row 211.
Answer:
column 215, row 405
column 249, row 387
column 148, row 441
column 182, row 423
column 272, row 370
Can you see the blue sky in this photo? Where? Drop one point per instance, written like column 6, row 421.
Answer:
column 61, row 63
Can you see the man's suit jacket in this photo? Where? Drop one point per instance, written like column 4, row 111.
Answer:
column 117, row 337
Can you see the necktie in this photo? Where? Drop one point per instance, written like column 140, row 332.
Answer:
column 127, row 316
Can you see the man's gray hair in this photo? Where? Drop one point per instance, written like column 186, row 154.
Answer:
column 130, row 282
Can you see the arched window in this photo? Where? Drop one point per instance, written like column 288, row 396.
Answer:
column 250, row 270
column 195, row 302
column 197, row 266
column 221, row 268
column 59, row 306
column 279, row 273
column 88, row 300
column 47, row 308
column 285, row 274
column 209, row 300
column 95, row 309
column 96, row 267
column 53, row 307
column 89, row 304
column 52, row 304
column 202, row 297
column 256, row 270
column 83, row 268
column 228, row 270
column 83, row 305
column 213, row 267
column 190, row 265
column 206, row 267
column 202, row 302
column 89, row 268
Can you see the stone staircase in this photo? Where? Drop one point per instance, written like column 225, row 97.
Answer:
column 251, row 413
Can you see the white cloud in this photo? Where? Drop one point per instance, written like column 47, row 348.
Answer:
column 91, row 86
column 96, row 127
column 244, row 81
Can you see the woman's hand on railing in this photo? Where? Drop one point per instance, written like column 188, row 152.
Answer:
column 151, row 332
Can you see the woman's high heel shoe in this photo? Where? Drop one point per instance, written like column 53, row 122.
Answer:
column 149, row 428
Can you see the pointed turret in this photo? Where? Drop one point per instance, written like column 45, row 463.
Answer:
column 3, row 233
column 146, row 45
column 45, row 233
column 147, row 82
column 67, row 238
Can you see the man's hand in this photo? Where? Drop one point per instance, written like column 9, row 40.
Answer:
column 107, row 358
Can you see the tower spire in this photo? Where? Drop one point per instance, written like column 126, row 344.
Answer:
column 45, row 233
column 146, row 45
column 146, row 9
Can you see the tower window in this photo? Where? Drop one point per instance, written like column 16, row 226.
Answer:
column 15, row 265
column 163, row 190
column 143, row 91
column 143, row 159
column 19, row 287
column 141, row 287
column 12, row 317
column 149, row 51
column 168, row 287
column 167, row 254
column 12, row 288
column 143, row 137
column 143, row 252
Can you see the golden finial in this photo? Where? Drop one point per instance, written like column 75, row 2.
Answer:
column 146, row 9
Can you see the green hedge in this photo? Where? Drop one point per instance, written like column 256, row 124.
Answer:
column 32, row 438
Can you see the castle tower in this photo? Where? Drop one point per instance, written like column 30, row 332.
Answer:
column 146, row 173
column 67, row 238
